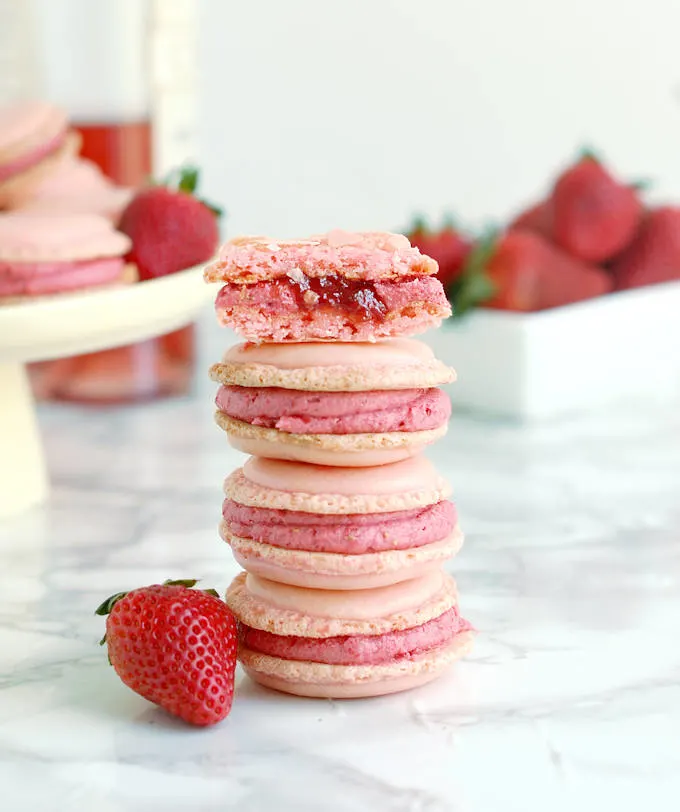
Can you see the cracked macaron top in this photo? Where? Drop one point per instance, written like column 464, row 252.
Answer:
column 339, row 286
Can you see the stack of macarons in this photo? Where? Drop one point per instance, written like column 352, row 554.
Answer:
column 338, row 519
column 58, row 211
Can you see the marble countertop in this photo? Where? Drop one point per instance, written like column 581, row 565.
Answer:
column 571, row 572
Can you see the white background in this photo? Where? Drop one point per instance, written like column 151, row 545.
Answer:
column 315, row 114
column 356, row 113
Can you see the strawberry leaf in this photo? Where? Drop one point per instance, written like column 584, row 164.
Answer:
column 106, row 607
column 474, row 286
column 587, row 153
column 450, row 222
column 216, row 210
column 419, row 225
column 187, row 582
column 642, row 184
column 188, row 179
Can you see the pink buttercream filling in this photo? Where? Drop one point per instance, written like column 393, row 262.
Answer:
column 352, row 534
column 32, row 157
column 36, row 278
column 336, row 412
column 360, row 649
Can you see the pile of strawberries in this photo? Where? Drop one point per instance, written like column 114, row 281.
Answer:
column 591, row 235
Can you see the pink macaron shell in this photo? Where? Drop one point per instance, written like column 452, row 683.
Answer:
column 256, row 325
column 351, row 458
column 73, row 176
column 300, row 611
column 392, row 352
column 108, row 203
column 35, row 279
column 353, row 255
column 336, row 412
column 75, row 186
column 315, row 489
column 27, row 125
column 366, row 689
column 351, row 534
column 28, row 237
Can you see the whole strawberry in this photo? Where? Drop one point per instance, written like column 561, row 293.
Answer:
column 537, row 218
column 176, row 647
column 520, row 270
column 170, row 229
column 448, row 246
column 594, row 216
column 530, row 274
column 654, row 255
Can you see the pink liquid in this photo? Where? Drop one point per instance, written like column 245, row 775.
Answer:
column 122, row 151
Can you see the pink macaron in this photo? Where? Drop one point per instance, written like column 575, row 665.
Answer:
column 76, row 186
column 34, row 138
column 335, row 528
column 349, row 644
column 339, row 286
column 48, row 254
column 345, row 404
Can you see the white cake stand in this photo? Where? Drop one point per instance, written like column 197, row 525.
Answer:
column 72, row 324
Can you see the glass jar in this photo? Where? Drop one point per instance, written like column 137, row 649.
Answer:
column 125, row 72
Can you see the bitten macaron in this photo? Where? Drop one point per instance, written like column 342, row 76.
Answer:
column 323, row 643
column 333, row 528
column 340, row 286
column 345, row 404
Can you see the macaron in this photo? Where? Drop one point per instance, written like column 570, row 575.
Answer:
column 342, row 529
column 34, row 138
column 339, row 286
column 345, row 404
column 49, row 254
column 350, row 644
column 76, row 186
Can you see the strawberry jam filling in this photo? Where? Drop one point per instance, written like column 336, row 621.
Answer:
column 359, row 300
column 299, row 412
column 360, row 649
column 352, row 534
column 336, row 292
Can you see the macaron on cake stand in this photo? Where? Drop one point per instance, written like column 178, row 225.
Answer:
column 51, row 327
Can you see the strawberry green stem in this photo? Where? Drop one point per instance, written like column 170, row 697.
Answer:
column 474, row 286
column 419, row 223
column 185, row 179
column 641, row 184
column 188, row 179
column 449, row 221
column 587, row 153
